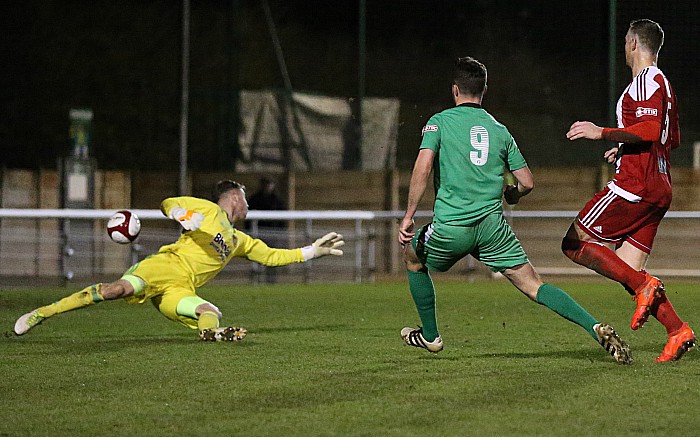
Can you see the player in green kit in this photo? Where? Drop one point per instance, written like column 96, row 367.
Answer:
column 469, row 152
column 169, row 278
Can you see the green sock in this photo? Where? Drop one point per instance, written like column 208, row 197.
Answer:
column 561, row 303
column 423, row 294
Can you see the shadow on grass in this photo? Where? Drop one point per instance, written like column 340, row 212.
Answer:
column 592, row 356
column 112, row 343
column 318, row 328
column 569, row 354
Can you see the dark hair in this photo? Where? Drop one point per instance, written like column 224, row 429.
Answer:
column 223, row 187
column 470, row 76
column 649, row 34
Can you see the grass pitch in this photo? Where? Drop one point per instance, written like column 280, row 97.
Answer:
column 327, row 360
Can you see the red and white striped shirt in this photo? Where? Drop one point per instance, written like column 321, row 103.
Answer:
column 643, row 169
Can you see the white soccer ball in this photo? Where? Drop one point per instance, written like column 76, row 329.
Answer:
column 123, row 227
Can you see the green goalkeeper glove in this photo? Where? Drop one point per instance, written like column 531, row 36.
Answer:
column 188, row 219
column 327, row 245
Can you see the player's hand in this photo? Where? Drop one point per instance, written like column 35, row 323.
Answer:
column 611, row 155
column 584, row 129
column 406, row 232
column 511, row 194
column 188, row 219
column 328, row 245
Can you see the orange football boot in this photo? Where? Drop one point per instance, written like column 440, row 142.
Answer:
column 678, row 344
column 645, row 295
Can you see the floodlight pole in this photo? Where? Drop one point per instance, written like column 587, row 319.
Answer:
column 182, row 184
column 362, row 62
column 289, row 91
column 612, row 71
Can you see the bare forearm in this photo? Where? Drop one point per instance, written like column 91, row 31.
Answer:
column 419, row 181
column 525, row 183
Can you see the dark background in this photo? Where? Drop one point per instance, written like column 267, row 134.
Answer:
column 547, row 64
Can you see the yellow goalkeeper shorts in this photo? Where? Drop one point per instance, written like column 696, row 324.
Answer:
column 165, row 283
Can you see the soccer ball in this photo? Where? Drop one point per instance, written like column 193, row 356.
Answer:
column 123, row 227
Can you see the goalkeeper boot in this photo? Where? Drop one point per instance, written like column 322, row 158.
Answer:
column 27, row 322
column 645, row 295
column 611, row 342
column 231, row 333
column 678, row 344
column 414, row 337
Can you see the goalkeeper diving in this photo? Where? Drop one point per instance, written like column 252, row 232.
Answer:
column 170, row 277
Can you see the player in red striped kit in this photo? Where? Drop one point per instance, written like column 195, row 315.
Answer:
column 628, row 211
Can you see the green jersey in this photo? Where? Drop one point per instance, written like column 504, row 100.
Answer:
column 473, row 151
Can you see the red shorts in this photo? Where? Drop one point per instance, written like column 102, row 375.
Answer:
column 610, row 218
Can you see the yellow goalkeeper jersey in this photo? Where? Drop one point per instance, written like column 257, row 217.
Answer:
column 207, row 250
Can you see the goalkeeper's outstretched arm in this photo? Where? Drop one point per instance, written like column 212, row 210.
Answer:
column 261, row 253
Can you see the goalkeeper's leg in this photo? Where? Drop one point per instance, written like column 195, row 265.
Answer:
column 207, row 317
column 90, row 295
column 85, row 297
column 206, row 314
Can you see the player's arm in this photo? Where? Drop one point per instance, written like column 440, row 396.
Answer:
column 176, row 209
column 419, row 182
column 256, row 250
column 644, row 131
column 525, row 184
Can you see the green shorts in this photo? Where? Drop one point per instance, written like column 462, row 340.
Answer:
column 491, row 241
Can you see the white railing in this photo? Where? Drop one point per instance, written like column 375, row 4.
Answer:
column 72, row 242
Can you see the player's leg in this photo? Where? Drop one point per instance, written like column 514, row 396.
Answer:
column 181, row 304
column 423, row 293
column 435, row 247
column 525, row 278
column 501, row 251
column 681, row 337
column 608, row 218
column 208, row 318
column 161, row 279
column 582, row 249
column 90, row 295
column 635, row 252
column 634, row 257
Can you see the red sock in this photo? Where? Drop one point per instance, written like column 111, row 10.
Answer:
column 664, row 313
column 602, row 260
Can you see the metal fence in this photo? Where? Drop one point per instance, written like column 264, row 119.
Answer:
column 39, row 244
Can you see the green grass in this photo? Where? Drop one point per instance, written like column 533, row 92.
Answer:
column 323, row 360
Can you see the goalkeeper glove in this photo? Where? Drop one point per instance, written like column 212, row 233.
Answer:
column 326, row 245
column 188, row 219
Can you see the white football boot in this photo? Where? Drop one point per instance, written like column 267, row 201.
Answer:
column 414, row 337
column 27, row 322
